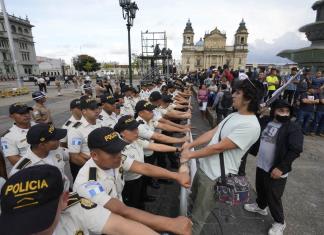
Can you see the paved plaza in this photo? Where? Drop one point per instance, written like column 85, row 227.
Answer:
column 303, row 198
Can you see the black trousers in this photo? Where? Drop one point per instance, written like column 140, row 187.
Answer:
column 269, row 193
column 132, row 193
column 74, row 170
column 146, row 179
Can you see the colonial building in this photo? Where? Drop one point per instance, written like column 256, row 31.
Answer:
column 212, row 49
column 50, row 66
column 21, row 30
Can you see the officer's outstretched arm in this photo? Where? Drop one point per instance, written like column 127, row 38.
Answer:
column 180, row 225
column 78, row 158
column 170, row 128
column 167, row 139
column 159, row 172
column 118, row 225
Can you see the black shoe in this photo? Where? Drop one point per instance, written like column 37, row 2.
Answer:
column 148, row 198
column 164, row 181
column 154, row 184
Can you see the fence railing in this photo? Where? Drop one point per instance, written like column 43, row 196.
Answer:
column 189, row 167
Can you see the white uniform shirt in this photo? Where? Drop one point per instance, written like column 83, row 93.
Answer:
column 109, row 183
column 78, row 137
column 244, row 131
column 108, row 120
column 56, row 157
column 14, row 143
column 135, row 151
column 128, row 108
column 146, row 131
column 67, row 125
column 83, row 217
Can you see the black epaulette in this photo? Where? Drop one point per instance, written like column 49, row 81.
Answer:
column 77, row 124
column 4, row 133
column 24, row 162
column 68, row 123
column 100, row 117
column 74, row 198
column 93, row 174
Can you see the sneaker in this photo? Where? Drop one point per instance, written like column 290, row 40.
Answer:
column 255, row 209
column 277, row 229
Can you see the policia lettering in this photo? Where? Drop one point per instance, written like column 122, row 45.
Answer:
column 26, row 187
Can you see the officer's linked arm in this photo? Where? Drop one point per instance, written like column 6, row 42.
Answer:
column 159, row 172
column 3, row 172
column 179, row 225
column 112, row 226
column 14, row 159
column 167, row 127
column 167, row 139
column 163, row 148
column 79, row 158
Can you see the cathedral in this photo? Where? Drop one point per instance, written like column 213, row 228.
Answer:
column 212, row 49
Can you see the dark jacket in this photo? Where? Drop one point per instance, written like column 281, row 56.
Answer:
column 289, row 144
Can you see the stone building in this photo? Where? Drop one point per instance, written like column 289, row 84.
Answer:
column 212, row 49
column 21, row 30
column 50, row 66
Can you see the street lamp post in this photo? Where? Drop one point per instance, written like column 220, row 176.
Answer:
column 129, row 13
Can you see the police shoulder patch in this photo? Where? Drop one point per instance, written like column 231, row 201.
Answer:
column 87, row 204
column 68, row 123
column 77, row 124
column 23, row 164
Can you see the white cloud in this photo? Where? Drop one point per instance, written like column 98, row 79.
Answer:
column 65, row 28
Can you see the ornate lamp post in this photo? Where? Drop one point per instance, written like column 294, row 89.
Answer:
column 129, row 13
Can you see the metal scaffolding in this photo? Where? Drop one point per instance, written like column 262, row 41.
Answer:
column 155, row 57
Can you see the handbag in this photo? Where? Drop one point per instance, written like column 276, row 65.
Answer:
column 231, row 189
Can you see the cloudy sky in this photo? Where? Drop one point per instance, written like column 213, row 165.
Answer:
column 65, row 28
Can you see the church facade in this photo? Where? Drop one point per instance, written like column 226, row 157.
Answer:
column 212, row 49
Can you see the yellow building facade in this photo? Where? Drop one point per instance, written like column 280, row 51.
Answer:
column 212, row 49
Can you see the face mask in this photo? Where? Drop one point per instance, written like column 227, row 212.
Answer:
column 282, row 119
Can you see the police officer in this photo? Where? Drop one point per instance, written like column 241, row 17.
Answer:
column 108, row 117
column 134, row 191
column 36, row 200
column 14, row 144
column 44, row 148
column 75, row 117
column 128, row 106
column 41, row 114
column 78, row 135
column 101, row 179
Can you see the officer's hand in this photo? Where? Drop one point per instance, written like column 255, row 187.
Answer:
column 185, row 155
column 185, row 139
column 184, row 179
column 185, row 145
column 183, row 225
column 276, row 173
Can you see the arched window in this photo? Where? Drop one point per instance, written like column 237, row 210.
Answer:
column 13, row 29
column 20, row 30
column 26, row 30
column 242, row 40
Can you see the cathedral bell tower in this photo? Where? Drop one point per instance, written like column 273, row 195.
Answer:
column 188, row 35
column 241, row 37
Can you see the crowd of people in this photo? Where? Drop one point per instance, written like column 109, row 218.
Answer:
column 305, row 93
column 119, row 141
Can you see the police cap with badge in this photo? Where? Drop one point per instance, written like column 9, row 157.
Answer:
column 144, row 105
column 108, row 99
column 76, row 103
column 107, row 140
column 19, row 108
column 44, row 132
column 88, row 103
column 29, row 200
column 126, row 122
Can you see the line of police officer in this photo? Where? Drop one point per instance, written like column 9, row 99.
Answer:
column 102, row 159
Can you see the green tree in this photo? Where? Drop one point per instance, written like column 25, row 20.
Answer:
column 85, row 63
